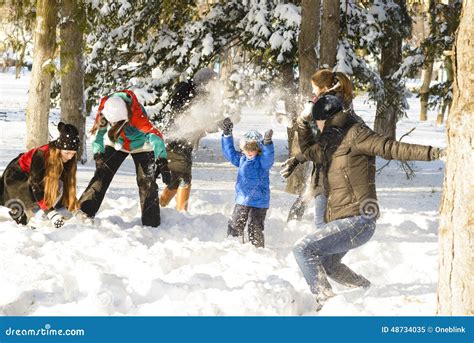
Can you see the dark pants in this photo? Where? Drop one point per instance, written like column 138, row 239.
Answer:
column 94, row 194
column 255, row 217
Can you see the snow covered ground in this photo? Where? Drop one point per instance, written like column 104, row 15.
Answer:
column 187, row 266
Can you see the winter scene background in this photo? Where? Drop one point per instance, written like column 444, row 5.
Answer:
column 188, row 265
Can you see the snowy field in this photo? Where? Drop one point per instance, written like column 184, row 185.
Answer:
column 187, row 266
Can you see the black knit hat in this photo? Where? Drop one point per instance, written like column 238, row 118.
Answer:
column 326, row 106
column 68, row 137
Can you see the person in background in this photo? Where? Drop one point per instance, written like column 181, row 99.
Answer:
column 324, row 81
column 180, row 150
column 346, row 151
column 122, row 128
column 252, row 188
column 43, row 178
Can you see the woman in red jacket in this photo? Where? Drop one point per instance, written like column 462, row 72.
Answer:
column 43, row 178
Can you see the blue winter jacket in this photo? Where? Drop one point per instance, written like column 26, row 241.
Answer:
column 253, row 179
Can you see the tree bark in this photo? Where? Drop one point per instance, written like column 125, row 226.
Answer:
column 427, row 71
column 295, row 183
column 329, row 34
column 448, row 64
column 456, row 231
column 37, row 111
column 426, row 74
column 307, row 66
column 390, row 107
column 307, row 44
column 72, row 70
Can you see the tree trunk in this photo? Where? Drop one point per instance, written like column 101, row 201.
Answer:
column 426, row 74
column 295, row 183
column 20, row 61
column 72, row 70
column 427, row 71
column 307, row 44
column 456, row 231
column 307, row 65
column 329, row 34
column 37, row 111
column 448, row 64
column 389, row 108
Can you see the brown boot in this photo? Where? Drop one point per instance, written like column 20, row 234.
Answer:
column 182, row 198
column 166, row 196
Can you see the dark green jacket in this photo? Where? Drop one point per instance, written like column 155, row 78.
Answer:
column 347, row 150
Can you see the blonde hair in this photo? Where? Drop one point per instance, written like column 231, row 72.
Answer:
column 55, row 167
column 334, row 81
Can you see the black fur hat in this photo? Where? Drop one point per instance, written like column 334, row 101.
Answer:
column 68, row 137
column 326, row 106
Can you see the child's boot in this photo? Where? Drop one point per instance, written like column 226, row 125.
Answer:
column 166, row 196
column 182, row 197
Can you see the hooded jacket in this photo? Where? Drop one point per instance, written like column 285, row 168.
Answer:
column 138, row 136
column 253, row 179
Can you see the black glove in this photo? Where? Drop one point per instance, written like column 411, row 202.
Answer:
column 227, row 126
column 20, row 219
column 267, row 138
column 162, row 168
column 56, row 218
column 290, row 164
column 99, row 160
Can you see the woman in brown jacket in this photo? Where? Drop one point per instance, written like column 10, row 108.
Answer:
column 346, row 150
column 324, row 81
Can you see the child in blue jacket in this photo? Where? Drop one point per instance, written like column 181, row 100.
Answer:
column 253, row 182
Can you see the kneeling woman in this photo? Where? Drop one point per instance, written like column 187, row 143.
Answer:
column 44, row 177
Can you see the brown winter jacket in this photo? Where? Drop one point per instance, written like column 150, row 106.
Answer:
column 347, row 150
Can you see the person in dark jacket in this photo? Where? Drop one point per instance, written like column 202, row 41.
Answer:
column 253, row 181
column 324, row 81
column 121, row 128
column 180, row 150
column 43, row 178
column 346, row 150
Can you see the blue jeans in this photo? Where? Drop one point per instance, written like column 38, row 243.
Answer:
column 319, row 210
column 316, row 252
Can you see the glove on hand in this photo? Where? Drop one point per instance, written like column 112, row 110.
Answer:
column 227, row 126
column 267, row 138
column 163, row 169
column 55, row 218
column 306, row 115
column 290, row 165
